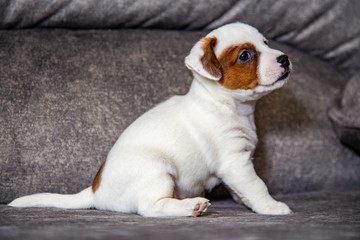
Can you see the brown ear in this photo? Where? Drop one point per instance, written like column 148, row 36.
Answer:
column 203, row 61
column 209, row 60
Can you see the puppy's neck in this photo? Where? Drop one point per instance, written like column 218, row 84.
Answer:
column 246, row 108
column 212, row 92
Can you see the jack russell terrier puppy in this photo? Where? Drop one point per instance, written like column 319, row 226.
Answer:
column 165, row 160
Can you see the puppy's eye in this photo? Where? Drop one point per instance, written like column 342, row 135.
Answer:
column 245, row 56
column 266, row 42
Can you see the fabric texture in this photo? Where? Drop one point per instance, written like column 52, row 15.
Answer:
column 346, row 115
column 66, row 96
column 325, row 215
column 327, row 29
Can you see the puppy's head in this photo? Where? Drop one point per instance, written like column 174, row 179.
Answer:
column 238, row 58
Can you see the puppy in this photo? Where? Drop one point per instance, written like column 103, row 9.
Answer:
column 165, row 160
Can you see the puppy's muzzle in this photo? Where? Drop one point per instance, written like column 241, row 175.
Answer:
column 285, row 63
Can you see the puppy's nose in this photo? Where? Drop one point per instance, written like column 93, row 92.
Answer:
column 283, row 60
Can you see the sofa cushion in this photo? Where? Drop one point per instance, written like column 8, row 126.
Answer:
column 346, row 114
column 66, row 96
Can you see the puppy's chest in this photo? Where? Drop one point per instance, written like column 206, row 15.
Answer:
column 215, row 138
column 236, row 132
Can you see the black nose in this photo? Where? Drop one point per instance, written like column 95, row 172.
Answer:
column 283, row 60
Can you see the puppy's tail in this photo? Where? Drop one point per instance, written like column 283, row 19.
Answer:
column 81, row 200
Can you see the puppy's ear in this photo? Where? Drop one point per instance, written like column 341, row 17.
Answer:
column 202, row 59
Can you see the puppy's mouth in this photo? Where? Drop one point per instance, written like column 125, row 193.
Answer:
column 284, row 75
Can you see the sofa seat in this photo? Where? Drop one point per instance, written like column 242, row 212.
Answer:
column 330, row 215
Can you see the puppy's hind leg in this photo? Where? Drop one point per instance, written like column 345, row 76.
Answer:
column 172, row 207
column 157, row 200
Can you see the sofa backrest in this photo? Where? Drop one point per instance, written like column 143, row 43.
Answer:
column 328, row 29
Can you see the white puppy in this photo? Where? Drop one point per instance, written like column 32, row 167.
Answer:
column 164, row 161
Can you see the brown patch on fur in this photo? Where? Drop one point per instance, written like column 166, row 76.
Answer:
column 97, row 179
column 209, row 60
column 237, row 74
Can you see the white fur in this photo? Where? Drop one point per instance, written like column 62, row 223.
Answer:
column 165, row 160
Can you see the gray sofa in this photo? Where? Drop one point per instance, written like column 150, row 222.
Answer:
column 74, row 74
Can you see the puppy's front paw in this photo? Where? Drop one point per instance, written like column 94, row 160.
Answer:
column 273, row 208
column 201, row 205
